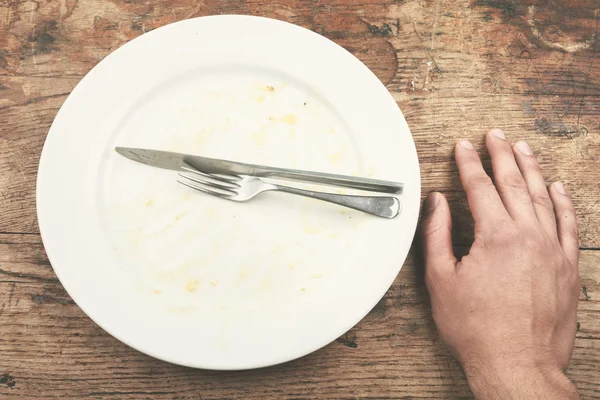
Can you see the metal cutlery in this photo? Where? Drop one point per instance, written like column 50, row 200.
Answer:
column 241, row 187
column 176, row 161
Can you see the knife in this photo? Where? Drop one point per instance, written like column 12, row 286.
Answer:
column 175, row 161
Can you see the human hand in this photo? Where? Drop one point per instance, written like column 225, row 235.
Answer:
column 507, row 310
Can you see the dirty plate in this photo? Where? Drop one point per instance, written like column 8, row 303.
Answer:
column 201, row 281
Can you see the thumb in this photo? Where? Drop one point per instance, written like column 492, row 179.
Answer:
column 437, row 235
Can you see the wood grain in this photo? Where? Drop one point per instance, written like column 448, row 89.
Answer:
column 456, row 69
column 50, row 349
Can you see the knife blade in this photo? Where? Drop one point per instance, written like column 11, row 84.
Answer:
column 175, row 161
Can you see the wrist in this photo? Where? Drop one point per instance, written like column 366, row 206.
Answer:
column 519, row 381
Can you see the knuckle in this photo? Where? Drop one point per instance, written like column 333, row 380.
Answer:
column 568, row 208
column 567, row 225
column 542, row 201
column 431, row 229
column 564, row 205
column 512, row 181
column 479, row 180
column 545, row 213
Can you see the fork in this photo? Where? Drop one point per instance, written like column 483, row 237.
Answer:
column 244, row 187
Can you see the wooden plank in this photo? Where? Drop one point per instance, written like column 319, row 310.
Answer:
column 23, row 259
column 455, row 68
column 50, row 349
column 24, row 132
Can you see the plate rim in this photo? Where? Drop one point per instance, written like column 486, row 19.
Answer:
column 43, row 164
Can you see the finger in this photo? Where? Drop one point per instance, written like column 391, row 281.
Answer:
column 566, row 222
column 484, row 201
column 509, row 182
column 437, row 238
column 538, row 192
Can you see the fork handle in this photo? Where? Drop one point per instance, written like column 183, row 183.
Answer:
column 381, row 206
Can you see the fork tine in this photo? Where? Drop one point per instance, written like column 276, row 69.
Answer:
column 212, row 178
column 231, row 178
column 202, row 189
column 211, row 182
column 227, row 177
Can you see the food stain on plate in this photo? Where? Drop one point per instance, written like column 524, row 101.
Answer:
column 289, row 119
column 192, row 285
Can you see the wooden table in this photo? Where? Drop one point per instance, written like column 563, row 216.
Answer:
column 456, row 68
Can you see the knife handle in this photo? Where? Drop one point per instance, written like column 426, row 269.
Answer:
column 381, row 206
column 368, row 184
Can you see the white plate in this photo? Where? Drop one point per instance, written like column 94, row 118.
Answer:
column 201, row 281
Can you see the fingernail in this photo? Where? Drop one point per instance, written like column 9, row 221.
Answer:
column 499, row 134
column 524, row 148
column 560, row 188
column 433, row 200
column 465, row 144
